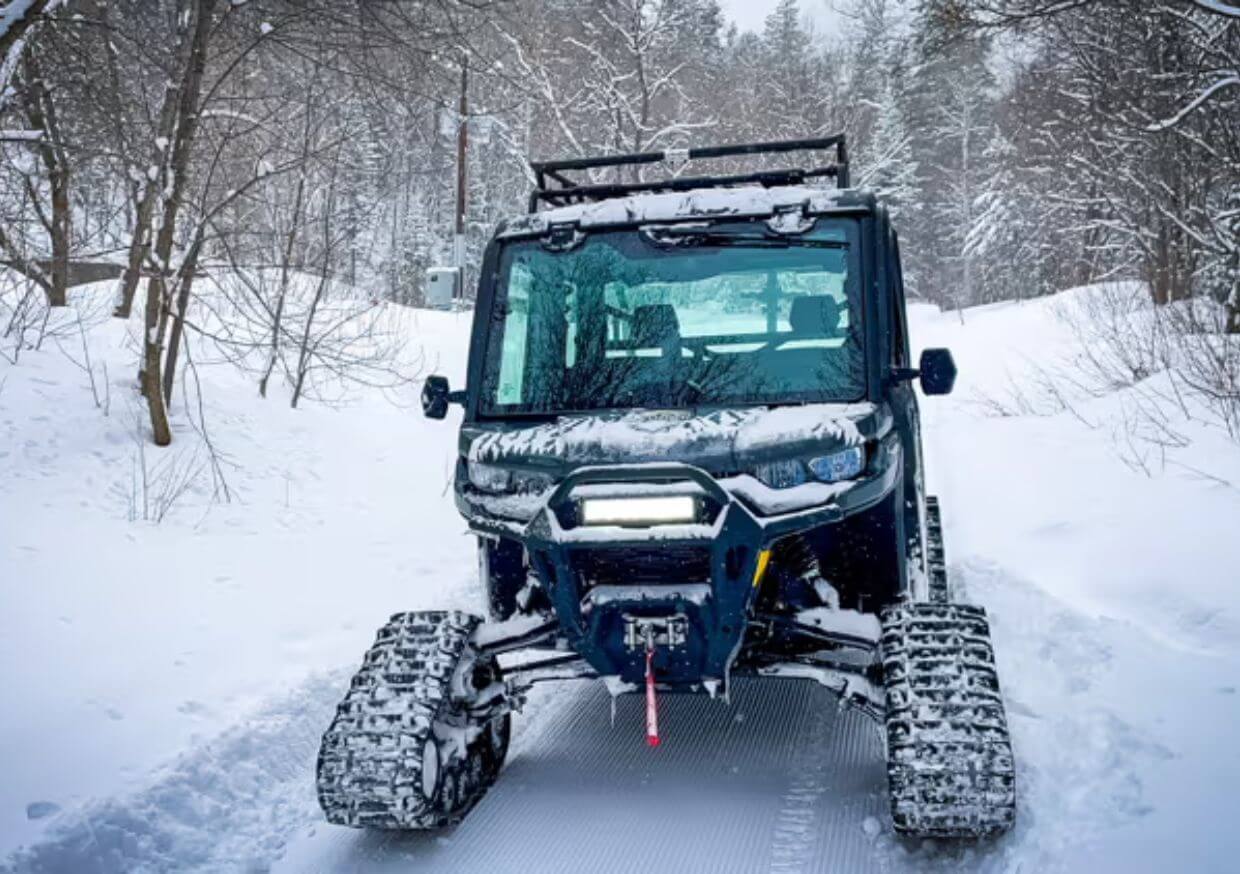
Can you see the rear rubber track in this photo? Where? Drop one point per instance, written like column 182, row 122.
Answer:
column 949, row 757
column 936, row 554
column 373, row 768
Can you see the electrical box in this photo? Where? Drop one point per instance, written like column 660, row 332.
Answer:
column 443, row 287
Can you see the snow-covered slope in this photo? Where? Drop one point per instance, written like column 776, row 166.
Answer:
column 1113, row 601
column 123, row 644
column 164, row 685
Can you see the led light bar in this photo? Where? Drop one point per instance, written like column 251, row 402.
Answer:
column 639, row 511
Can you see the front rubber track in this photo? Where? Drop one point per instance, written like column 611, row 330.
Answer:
column 391, row 757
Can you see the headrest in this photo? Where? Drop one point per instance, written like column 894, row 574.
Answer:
column 815, row 315
column 655, row 325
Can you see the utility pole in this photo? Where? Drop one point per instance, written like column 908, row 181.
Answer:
column 462, row 145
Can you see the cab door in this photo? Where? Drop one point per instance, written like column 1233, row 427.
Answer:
column 902, row 396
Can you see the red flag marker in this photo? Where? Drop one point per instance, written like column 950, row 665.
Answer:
column 652, row 704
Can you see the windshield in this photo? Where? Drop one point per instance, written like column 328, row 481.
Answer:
column 676, row 317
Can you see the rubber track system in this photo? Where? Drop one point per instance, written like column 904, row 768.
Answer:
column 949, row 758
column 387, row 760
column 936, row 554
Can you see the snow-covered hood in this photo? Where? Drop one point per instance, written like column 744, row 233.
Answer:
column 721, row 440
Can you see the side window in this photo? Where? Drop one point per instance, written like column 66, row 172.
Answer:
column 899, row 340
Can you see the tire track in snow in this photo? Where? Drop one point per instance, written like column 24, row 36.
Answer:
column 796, row 836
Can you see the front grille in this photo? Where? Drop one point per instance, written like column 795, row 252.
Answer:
column 642, row 566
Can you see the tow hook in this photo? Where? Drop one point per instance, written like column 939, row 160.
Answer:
column 646, row 633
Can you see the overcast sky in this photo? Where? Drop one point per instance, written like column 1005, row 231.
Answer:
column 750, row 14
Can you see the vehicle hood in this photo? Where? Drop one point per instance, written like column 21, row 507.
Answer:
column 719, row 440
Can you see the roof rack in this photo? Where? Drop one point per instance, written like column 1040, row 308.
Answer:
column 556, row 189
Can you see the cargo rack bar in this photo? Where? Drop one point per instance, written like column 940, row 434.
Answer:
column 556, row 189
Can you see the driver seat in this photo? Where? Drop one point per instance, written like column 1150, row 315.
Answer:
column 656, row 326
column 816, row 315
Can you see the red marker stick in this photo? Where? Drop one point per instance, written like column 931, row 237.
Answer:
column 652, row 703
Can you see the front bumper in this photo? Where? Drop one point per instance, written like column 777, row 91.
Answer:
column 604, row 580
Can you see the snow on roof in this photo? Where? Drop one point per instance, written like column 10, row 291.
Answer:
column 699, row 203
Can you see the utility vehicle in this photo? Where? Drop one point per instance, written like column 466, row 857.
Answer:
column 690, row 452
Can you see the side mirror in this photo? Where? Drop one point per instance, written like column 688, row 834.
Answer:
column 436, row 395
column 938, row 371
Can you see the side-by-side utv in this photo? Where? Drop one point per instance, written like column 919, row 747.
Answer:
column 690, row 452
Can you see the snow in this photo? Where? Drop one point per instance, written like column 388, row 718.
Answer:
column 125, row 644
column 165, row 685
column 648, row 435
column 690, row 593
column 863, row 626
column 770, row 501
column 715, row 203
column 1227, row 81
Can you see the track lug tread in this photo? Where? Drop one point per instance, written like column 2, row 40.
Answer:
column 370, row 763
column 950, row 768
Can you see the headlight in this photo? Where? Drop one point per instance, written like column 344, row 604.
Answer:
column 531, row 482
column 833, row 468
column 837, row 466
column 488, row 478
column 499, row 480
column 781, row 474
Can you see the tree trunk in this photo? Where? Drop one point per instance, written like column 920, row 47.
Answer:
column 304, row 355
column 185, row 285
column 278, row 317
column 118, row 110
column 62, row 232
column 190, row 52
column 290, row 242
column 186, row 115
column 161, row 431
column 140, row 243
column 1168, row 267
column 41, row 115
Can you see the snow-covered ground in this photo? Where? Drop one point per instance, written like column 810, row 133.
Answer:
column 164, row 685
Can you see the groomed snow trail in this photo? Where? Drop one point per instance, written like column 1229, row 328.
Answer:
column 778, row 780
